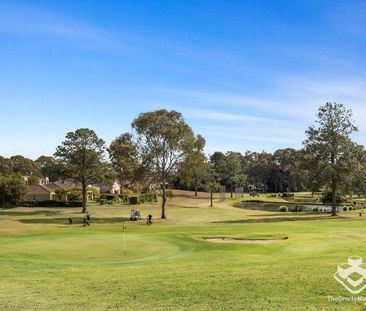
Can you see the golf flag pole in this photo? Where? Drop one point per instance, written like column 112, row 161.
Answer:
column 124, row 239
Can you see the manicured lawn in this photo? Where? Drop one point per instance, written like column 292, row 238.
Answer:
column 46, row 265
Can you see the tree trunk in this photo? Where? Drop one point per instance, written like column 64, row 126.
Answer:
column 334, row 189
column 231, row 190
column 163, row 203
column 334, row 197
column 85, row 197
column 195, row 187
column 211, row 199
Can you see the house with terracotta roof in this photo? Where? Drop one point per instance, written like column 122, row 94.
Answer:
column 45, row 190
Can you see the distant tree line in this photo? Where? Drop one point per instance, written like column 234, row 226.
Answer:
column 162, row 152
column 281, row 171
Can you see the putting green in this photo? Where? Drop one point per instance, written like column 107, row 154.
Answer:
column 92, row 248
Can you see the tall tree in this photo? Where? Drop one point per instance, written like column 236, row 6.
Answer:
column 24, row 165
column 164, row 140
column 6, row 166
column 12, row 190
column 289, row 163
column 330, row 149
column 358, row 181
column 230, row 169
column 50, row 167
column 193, row 168
column 124, row 158
column 82, row 154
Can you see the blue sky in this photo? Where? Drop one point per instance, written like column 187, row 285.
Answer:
column 247, row 75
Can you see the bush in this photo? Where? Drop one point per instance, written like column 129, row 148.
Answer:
column 169, row 194
column 350, row 208
column 327, row 198
column 345, row 208
column 117, row 200
column 75, row 194
column 283, row 209
column 298, row 208
column 102, row 201
column 148, row 197
column 12, row 190
column 134, row 200
column 126, row 191
column 288, row 195
column 315, row 209
column 108, row 196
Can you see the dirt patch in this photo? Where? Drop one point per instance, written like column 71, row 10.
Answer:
column 242, row 241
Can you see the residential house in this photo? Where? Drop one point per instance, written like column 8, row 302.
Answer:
column 45, row 190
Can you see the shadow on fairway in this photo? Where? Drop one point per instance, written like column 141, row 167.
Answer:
column 30, row 213
column 278, row 219
column 76, row 220
column 290, row 214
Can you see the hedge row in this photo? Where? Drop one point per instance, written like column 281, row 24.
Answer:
column 134, row 199
column 150, row 197
column 52, row 203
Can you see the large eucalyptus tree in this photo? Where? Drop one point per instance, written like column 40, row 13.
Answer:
column 164, row 140
column 330, row 150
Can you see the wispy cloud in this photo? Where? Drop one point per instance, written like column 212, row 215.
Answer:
column 24, row 20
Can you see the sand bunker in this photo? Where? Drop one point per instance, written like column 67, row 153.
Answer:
column 242, row 241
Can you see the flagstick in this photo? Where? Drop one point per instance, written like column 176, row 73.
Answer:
column 124, row 239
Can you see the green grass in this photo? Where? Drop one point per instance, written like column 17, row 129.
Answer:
column 46, row 265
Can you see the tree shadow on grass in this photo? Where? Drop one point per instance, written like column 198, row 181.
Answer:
column 279, row 219
column 76, row 220
column 28, row 213
column 290, row 214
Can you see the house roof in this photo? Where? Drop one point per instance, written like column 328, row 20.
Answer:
column 62, row 185
column 38, row 189
column 57, row 185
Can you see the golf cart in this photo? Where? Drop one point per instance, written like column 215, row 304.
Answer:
column 135, row 214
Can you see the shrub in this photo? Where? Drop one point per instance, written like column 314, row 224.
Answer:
column 288, row 195
column 149, row 197
column 155, row 197
column 169, row 194
column 327, row 198
column 283, row 209
column 134, row 200
column 12, row 190
column 126, row 191
column 75, row 194
column 298, row 208
column 350, row 208
column 142, row 199
column 315, row 209
column 123, row 197
column 102, row 201
column 345, row 208
column 116, row 199
column 109, row 202
column 108, row 196
column 61, row 194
